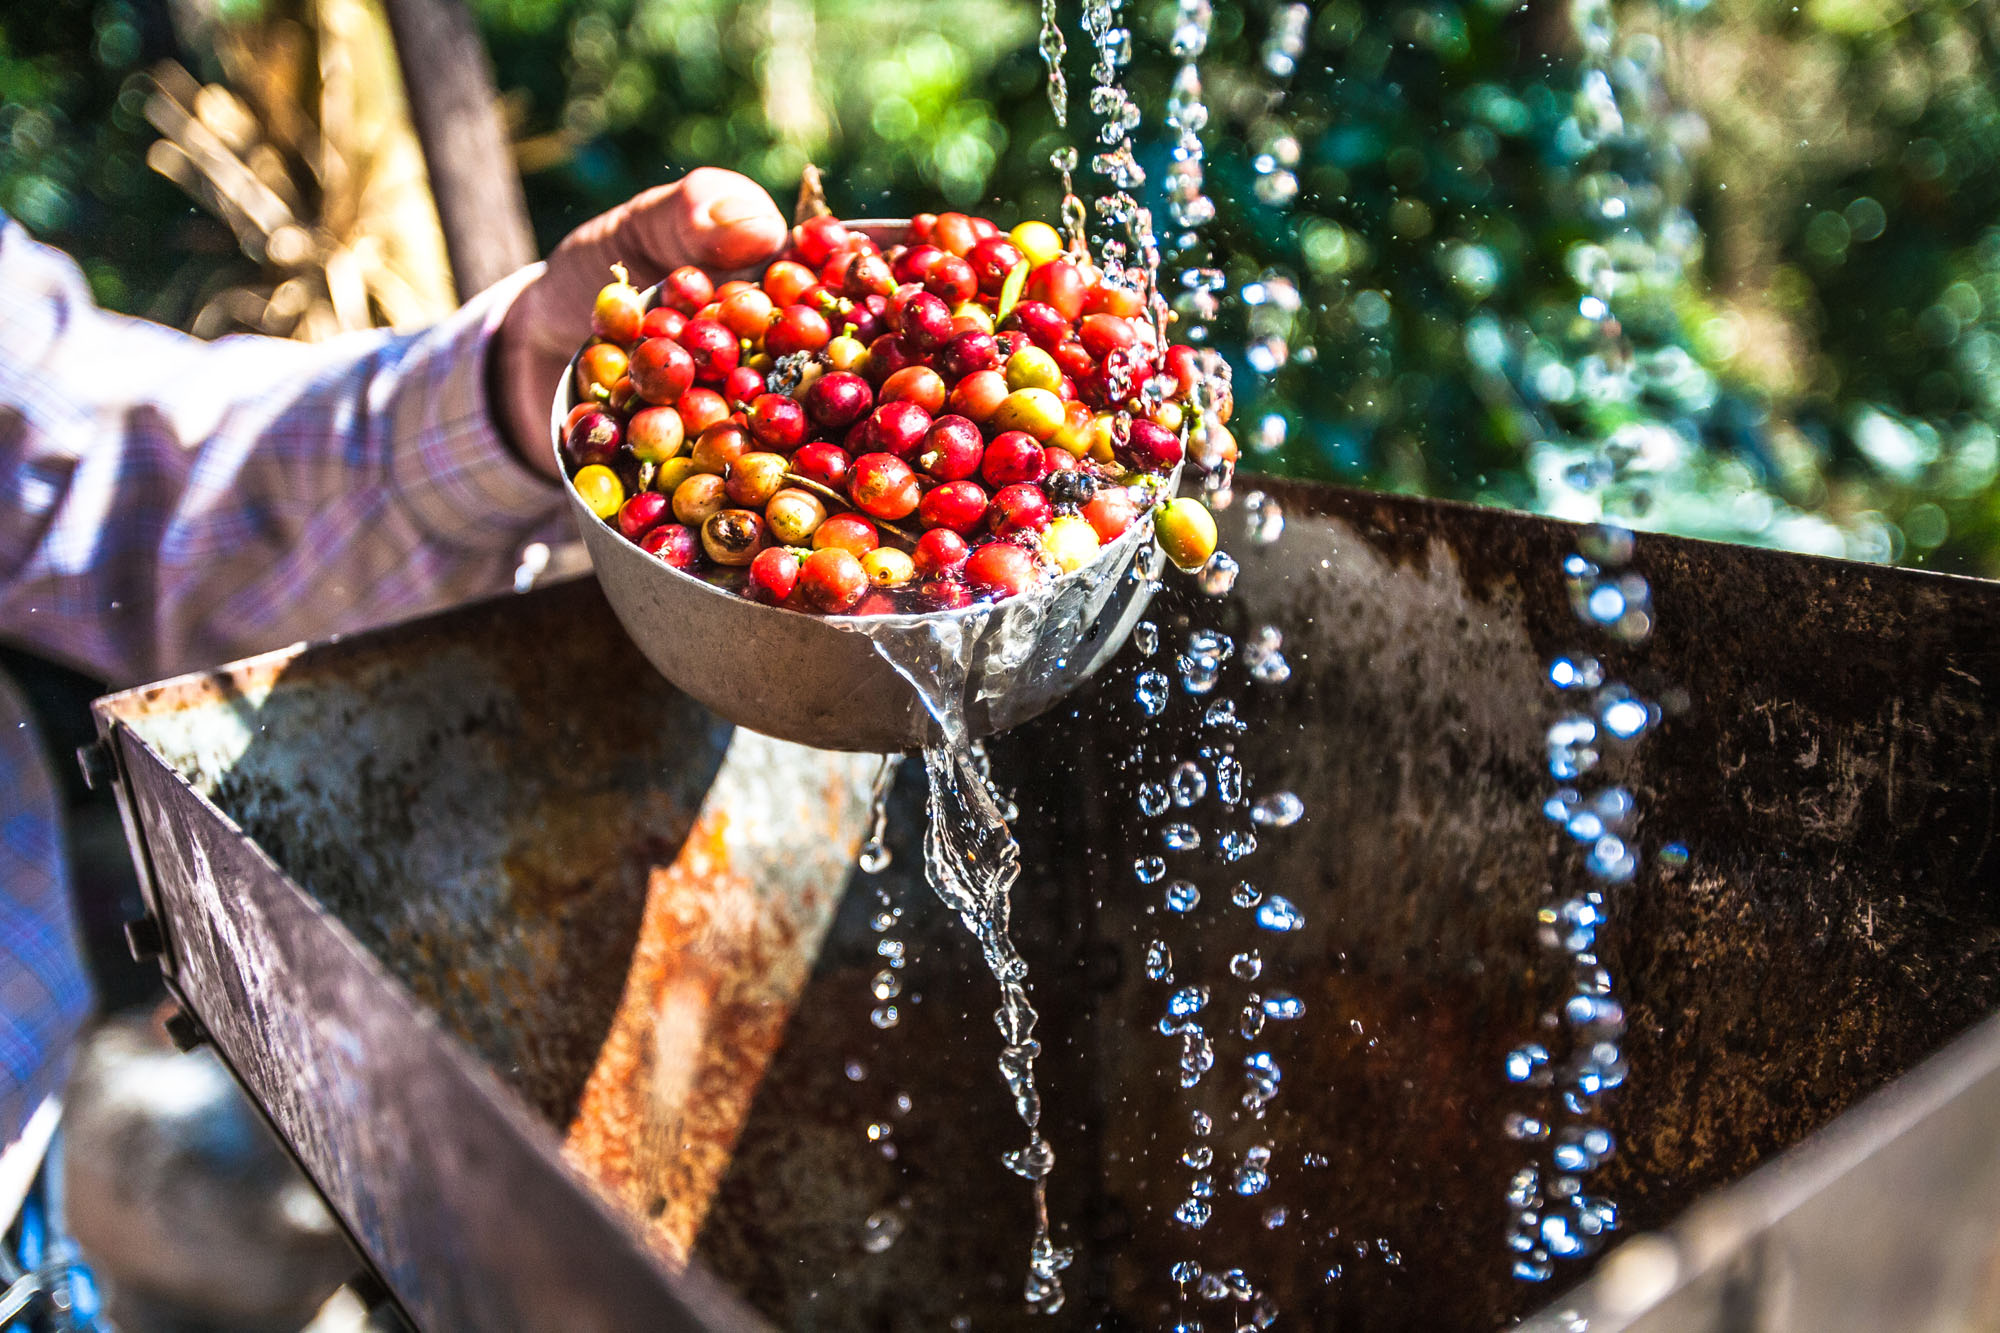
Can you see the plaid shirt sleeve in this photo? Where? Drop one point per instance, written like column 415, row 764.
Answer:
column 168, row 503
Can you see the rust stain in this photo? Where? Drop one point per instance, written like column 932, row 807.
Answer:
column 711, row 987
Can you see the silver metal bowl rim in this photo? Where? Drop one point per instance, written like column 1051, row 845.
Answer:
column 565, row 401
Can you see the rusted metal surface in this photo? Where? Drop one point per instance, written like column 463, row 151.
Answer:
column 1890, row 1219
column 727, row 941
column 1832, row 770
column 465, row 864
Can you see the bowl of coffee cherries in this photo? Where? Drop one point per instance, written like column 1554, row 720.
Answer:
column 927, row 427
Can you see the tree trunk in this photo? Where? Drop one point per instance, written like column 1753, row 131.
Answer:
column 453, row 106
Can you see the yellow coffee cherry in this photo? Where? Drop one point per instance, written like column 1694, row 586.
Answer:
column 1186, row 531
column 1074, row 433
column 672, row 473
column 1032, row 368
column 1103, row 429
column 1036, row 411
column 886, row 567
column 845, row 353
column 1038, row 242
column 1071, row 542
column 601, row 490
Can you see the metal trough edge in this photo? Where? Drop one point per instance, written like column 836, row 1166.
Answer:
column 355, row 1091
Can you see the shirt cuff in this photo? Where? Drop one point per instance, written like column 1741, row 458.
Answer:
column 448, row 461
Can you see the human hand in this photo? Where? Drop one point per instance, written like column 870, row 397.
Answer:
column 718, row 219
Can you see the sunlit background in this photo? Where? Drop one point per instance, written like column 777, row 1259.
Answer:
column 1734, row 271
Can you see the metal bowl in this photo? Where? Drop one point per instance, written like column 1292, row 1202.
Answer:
column 819, row 680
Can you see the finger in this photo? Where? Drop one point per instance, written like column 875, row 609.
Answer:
column 713, row 218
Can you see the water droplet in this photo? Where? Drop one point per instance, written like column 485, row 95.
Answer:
column 1210, row 643
column 1524, row 1063
column 1271, row 669
column 1198, row 674
column 1149, row 869
column 1576, row 673
column 1286, row 40
column 855, row 1071
column 1278, row 914
column 1625, row 718
column 1274, row 1218
column 1222, row 715
column 1185, row 1271
column 1612, row 860
column 880, row 1231
column 1180, row 837
column 1572, row 747
column 1229, row 780
column 1262, row 1074
column 1197, row 1054
column 1246, row 966
column 1283, row 1006
column 1187, row 1001
column 1278, row 810
column 884, row 1016
column 891, row 950
column 1193, row 1213
column 1182, row 896
column 1152, row 798
column 1251, row 1021
column 1152, row 693
column 886, row 985
column 1034, row 1162
column 1159, row 961
column 1246, row 894
column 1237, row 844
column 1189, row 784
column 1146, row 637
column 1264, row 517
column 1253, row 1177
column 1218, row 576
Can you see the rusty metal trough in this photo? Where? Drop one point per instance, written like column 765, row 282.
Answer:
column 559, row 988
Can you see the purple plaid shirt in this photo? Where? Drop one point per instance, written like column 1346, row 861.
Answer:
column 168, row 503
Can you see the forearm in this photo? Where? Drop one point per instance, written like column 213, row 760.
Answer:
column 173, row 502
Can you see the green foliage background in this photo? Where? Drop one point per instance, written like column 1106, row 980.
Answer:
column 1820, row 368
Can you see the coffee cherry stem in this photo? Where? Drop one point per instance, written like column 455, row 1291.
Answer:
column 832, row 496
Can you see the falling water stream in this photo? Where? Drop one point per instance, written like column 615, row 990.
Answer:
column 973, row 860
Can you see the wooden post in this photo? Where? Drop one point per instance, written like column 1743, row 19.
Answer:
column 454, row 109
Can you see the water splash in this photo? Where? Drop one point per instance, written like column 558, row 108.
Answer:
column 972, row 862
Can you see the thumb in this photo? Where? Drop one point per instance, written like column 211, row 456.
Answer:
column 717, row 219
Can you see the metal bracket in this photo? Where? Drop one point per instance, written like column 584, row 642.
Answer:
column 145, row 939
column 185, row 1031
column 95, row 760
